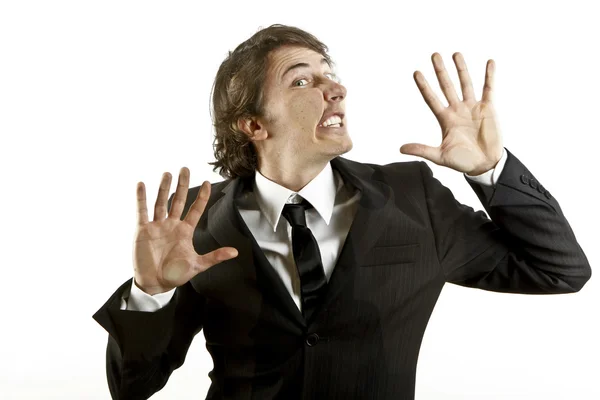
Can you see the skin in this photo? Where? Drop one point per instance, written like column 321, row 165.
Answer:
column 471, row 141
column 291, row 148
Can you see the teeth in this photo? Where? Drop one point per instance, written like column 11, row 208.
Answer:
column 335, row 119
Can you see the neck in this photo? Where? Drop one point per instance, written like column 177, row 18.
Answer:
column 291, row 175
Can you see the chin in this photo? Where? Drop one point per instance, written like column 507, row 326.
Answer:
column 334, row 144
column 341, row 148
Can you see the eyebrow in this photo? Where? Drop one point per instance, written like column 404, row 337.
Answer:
column 303, row 65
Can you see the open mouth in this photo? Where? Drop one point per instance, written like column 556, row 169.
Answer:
column 334, row 126
column 333, row 121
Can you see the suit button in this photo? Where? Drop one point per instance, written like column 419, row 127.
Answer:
column 547, row 194
column 541, row 189
column 533, row 184
column 312, row 339
column 524, row 180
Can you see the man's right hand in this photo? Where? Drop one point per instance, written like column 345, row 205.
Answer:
column 163, row 252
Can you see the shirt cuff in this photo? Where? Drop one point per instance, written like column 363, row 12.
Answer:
column 138, row 300
column 489, row 178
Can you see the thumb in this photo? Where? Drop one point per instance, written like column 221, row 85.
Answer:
column 421, row 150
column 206, row 261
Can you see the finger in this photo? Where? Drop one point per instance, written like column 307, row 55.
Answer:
column 444, row 79
column 197, row 208
column 430, row 98
column 160, row 207
column 207, row 260
column 488, row 86
column 465, row 79
column 142, row 209
column 421, row 150
column 183, row 183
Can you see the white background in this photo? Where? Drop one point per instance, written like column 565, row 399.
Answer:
column 98, row 95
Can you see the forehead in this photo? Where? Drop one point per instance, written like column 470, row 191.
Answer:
column 285, row 57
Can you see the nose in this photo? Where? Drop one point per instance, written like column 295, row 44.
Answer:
column 334, row 91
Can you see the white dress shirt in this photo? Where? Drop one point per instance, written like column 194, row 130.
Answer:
column 334, row 206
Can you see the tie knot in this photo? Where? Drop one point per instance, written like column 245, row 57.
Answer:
column 295, row 213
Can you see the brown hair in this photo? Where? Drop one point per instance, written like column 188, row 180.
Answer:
column 238, row 93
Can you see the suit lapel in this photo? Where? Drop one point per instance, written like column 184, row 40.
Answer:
column 228, row 228
column 375, row 204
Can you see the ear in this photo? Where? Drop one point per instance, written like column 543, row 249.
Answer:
column 253, row 128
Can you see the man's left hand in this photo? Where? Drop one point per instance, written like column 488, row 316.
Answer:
column 471, row 141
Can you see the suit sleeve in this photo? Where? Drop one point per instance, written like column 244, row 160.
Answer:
column 138, row 300
column 144, row 348
column 527, row 247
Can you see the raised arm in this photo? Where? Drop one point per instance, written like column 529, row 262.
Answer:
column 144, row 348
column 527, row 246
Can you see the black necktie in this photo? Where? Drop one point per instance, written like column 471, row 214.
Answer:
column 307, row 256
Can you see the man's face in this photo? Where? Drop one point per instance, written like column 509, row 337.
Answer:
column 297, row 98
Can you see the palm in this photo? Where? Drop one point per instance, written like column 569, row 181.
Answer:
column 163, row 253
column 166, row 250
column 471, row 141
column 468, row 135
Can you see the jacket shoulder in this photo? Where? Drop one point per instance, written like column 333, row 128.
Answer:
column 192, row 194
column 402, row 171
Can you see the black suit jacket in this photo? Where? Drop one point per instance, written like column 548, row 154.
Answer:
column 408, row 238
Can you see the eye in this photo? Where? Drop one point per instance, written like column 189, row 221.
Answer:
column 301, row 79
column 332, row 76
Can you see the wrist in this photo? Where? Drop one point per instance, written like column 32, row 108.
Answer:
column 150, row 290
column 483, row 169
column 478, row 171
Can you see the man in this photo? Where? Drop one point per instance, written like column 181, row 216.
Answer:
column 328, row 269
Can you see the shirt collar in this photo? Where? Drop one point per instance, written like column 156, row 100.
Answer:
column 320, row 192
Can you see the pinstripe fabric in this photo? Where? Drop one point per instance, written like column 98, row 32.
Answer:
column 408, row 238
